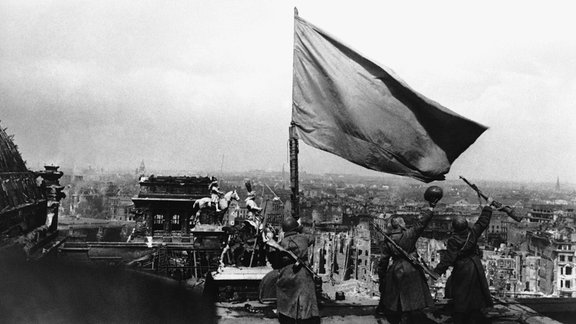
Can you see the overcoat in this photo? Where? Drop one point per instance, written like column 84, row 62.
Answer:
column 467, row 284
column 295, row 289
column 403, row 286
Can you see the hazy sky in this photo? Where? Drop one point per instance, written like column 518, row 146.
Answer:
column 180, row 84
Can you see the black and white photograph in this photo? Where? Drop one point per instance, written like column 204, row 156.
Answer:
column 252, row 161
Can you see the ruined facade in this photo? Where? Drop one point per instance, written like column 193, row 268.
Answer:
column 29, row 202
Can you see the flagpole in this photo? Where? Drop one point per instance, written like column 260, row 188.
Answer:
column 294, row 173
column 293, row 143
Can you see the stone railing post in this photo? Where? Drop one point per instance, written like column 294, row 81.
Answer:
column 54, row 194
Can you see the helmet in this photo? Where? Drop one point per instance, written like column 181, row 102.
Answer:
column 290, row 224
column 459, row 223
column 433, row 194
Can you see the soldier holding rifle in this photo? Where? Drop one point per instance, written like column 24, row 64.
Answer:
column 404, row 290
column 467, row 284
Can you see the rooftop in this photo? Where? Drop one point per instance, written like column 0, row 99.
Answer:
column 362, row 311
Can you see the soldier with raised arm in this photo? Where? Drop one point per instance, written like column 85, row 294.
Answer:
column 404, row 290
column 467, row 284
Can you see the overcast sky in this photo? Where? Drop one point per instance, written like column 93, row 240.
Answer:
column 182, row 84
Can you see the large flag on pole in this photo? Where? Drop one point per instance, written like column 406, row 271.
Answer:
column 349, row 106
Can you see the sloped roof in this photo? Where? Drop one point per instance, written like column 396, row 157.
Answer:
column 10, row 159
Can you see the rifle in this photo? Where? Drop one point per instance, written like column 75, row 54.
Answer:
column 507, row 209
column 416, row 262
column 299, row 262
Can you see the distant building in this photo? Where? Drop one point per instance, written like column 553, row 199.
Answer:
column 544, row 213
column 121, row 208
column 497, row 231
column 502, row 272
column 566, row 274
column 530, row 276
column 556, row 267
column 362, row 240
column 141, row 170
column 71, row 178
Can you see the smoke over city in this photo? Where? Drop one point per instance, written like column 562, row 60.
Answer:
column 200, row 86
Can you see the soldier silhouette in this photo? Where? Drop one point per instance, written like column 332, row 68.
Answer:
column 404, row 290
column 295, row 288
column 467, row 284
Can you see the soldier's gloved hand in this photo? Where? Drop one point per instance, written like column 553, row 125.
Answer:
column 493, row 203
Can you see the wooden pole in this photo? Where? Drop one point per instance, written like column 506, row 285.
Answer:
column 293, row 144
column 294, row 173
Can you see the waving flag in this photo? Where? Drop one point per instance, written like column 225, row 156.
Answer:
column 346, row 105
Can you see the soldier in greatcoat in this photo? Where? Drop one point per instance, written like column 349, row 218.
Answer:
column 404, row 290
column 295, row 288
column 467, row 284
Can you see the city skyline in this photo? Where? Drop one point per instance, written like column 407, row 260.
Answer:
column 205, row 86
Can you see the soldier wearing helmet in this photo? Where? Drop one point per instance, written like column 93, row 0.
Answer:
column 404, row 290
column 295, row 288
column 467, row 284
